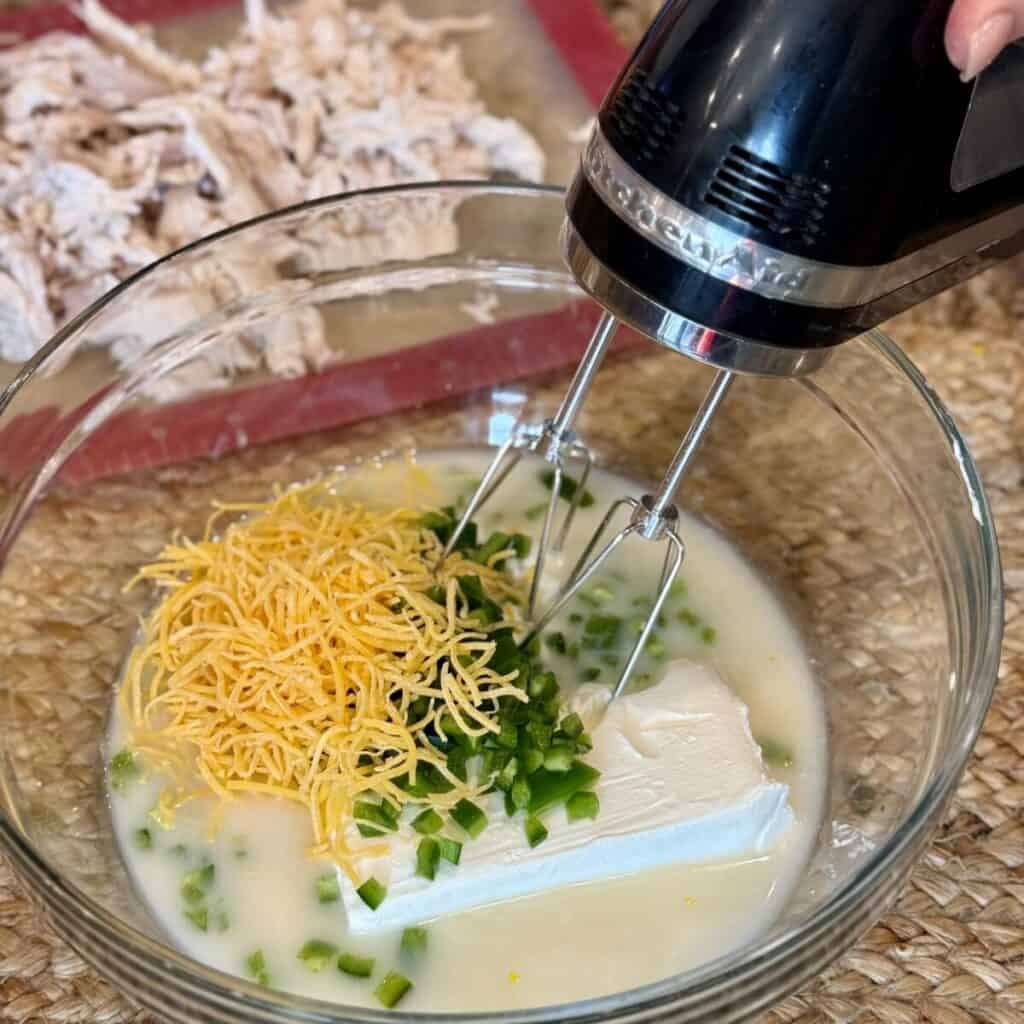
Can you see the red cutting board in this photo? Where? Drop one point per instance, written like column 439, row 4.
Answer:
column 444, row 368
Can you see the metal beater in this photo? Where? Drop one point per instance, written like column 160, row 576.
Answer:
column 555, row 440
column 652, row 518
column 767, row 179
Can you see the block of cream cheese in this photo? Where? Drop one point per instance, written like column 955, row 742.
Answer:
column 681, row 781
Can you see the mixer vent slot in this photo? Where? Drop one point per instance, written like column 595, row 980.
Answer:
column 764, row 196
column 645, row 120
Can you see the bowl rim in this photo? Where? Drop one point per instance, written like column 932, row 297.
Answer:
column 677, row 992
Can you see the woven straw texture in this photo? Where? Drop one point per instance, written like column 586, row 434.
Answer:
column 952, row 950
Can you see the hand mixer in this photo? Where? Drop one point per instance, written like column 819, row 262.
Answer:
column 765, row 180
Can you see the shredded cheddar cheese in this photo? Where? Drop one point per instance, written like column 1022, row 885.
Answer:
column 287, row 651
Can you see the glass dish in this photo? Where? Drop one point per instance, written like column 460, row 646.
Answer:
column 451, row 315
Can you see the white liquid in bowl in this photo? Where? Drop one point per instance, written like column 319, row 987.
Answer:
column 578, row 942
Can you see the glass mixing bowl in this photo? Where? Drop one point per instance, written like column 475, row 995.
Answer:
column 451, row 316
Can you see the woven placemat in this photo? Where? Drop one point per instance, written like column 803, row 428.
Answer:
column 952, row 950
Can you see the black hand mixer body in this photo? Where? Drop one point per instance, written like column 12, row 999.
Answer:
column 768, row 178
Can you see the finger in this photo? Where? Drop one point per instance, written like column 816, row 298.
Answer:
column 978, row 30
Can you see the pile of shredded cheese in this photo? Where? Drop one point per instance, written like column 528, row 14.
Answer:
column 287, row 650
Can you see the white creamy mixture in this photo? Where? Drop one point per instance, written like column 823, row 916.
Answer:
column 704, row 795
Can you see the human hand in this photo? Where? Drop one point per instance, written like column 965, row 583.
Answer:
column 978, row 30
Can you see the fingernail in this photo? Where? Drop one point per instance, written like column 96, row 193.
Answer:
column 986, row 43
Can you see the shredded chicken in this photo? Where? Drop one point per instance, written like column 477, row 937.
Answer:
column 114, row 153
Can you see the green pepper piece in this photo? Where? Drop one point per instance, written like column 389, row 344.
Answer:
column 520, row 544
column 655, row 647
column 372, row 893
column 428, row 822
column 568, row 488
column 439, row 523
column 356, row 966
column 558, row 757
column 327, row 889
column 468, row 816
column 472, row 590
column 540, row 733
column 507, row 775
column 582, row 805
column 520, row 794
column 375, row 814
column 199, row 917
column 552, row 788
column 497, row 541
column 508, row 738
column 256, row 965
column 414, row 941
column 506, row 657
column 451, row 849
column 392, row 989
column 542, row 686
column 487, row 614
column 536, row 833
column 316, row 954
column 572, row 725
column 124, row 769
column 776, row 753
column 556, row 641
column 428, row 857
column 602, row 631
column 196, row 883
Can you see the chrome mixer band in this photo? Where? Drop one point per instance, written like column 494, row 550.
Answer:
column 742, row 262
column 661, row 324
